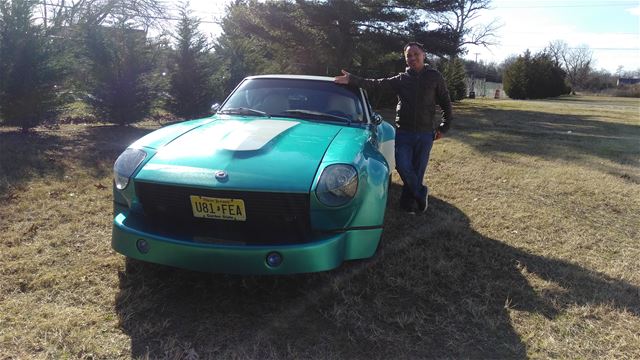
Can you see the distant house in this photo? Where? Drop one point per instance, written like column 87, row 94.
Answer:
column 627, row 81
column 482, row 87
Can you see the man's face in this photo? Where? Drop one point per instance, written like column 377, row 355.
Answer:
column 414, row 57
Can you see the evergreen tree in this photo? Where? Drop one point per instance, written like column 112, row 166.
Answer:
column 534, row 77
column 515, row 78
column 80, row 28
column 28, row 73
column 190, row 88
column 546, row 79
column 454, row 74
column 322, row 37
column 122, row 85
column 237, row 58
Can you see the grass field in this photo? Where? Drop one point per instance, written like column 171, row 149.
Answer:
column 529, row 248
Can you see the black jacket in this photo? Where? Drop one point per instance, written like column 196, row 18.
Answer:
column 418, row 93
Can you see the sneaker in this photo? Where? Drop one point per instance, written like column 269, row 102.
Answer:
column 408, row 208
column 423, row 204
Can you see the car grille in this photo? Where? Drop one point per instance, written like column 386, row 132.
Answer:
column 272, row 218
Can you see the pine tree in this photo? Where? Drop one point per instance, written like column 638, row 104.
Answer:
column 322, row 37
column 121, row 85
column 453, row 72
column 515, row 78
column 28, row 73
column 191, row 87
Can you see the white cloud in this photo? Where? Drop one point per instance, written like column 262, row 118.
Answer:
column 634, row 11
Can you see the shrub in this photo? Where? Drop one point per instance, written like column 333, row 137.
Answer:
column 628, row 91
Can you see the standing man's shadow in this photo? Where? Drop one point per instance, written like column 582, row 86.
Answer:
column 436, row 288
column 468, row 284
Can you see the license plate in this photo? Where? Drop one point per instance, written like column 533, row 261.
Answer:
column 217, row 208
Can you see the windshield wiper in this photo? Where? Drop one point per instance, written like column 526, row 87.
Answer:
column 318, row 114
column 243, row 111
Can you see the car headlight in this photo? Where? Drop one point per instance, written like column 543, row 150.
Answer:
column 337, row 185
column 125, row 165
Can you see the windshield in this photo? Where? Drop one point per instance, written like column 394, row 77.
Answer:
column 297, row 98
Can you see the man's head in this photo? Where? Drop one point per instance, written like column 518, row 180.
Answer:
column 414, row 55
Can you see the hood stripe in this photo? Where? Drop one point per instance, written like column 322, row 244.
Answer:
column 255, row 134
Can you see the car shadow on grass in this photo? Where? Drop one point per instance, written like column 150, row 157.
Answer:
column 436, row 288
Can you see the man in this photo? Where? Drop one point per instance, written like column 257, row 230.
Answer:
column 419, row 89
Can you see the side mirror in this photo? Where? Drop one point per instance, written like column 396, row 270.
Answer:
column 214, row 108
column 377, row 119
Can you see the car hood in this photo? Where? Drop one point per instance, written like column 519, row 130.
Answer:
column 257, row 154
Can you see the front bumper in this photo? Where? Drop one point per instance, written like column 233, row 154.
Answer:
column 326, row 252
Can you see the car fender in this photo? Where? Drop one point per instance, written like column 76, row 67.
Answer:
column 353, row 146
column 387, row 139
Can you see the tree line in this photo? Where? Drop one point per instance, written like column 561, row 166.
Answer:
column 99, row 52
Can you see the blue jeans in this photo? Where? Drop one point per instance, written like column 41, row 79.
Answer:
column 412, row 157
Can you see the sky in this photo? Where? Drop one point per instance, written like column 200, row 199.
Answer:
column 610, row 28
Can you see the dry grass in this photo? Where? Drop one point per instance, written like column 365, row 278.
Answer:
column 529, row 249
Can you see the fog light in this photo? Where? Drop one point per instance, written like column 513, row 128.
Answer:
column 274, row 259
column 142, row 245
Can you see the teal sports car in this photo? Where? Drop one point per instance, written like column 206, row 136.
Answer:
column 289, row 176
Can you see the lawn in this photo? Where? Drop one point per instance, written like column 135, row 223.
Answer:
column 529, row 248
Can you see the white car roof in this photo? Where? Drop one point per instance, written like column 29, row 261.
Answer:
column 296, row 77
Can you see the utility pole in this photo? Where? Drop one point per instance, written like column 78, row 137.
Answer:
column 472, row 93
column 44, row 7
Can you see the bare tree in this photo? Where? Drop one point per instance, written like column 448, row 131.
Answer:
column 621, row 72
column 458, row 18
column 557, row 50
column 575, row 61
column 140, row 14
